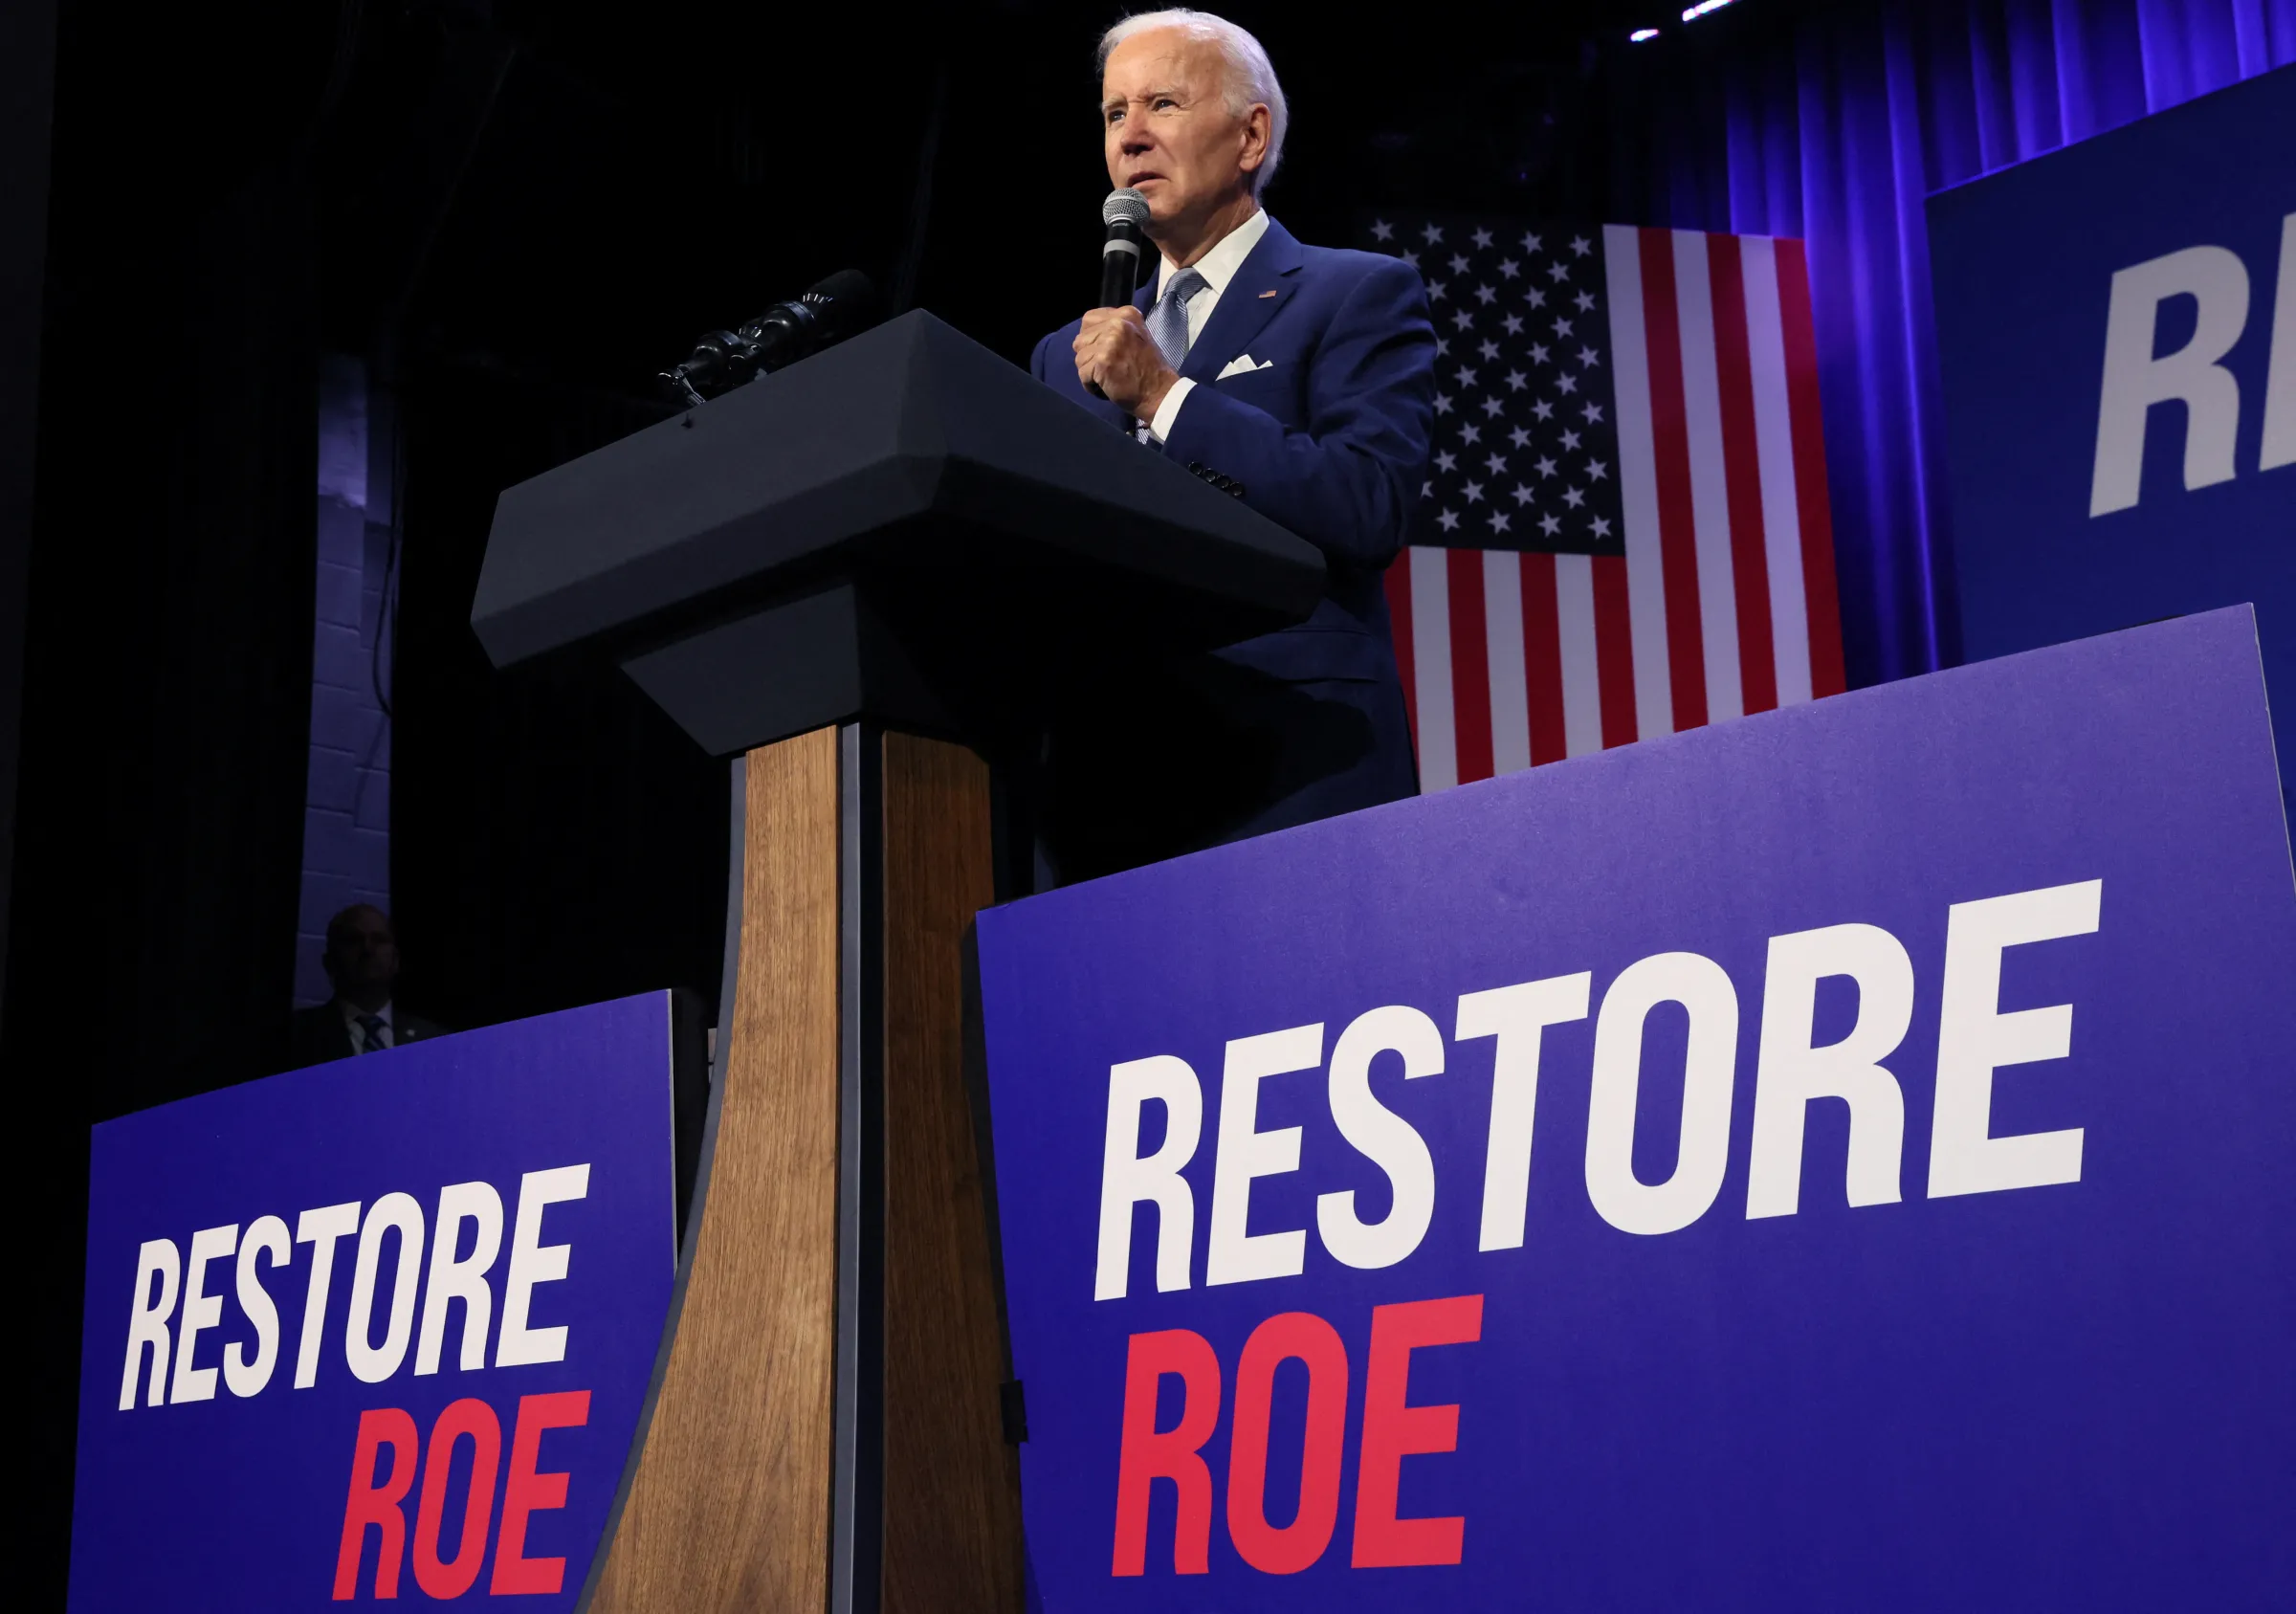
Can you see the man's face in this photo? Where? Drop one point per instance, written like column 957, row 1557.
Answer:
column 1166, row 128
column 364, row 951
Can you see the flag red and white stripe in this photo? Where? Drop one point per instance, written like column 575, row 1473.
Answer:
column 1724, row 603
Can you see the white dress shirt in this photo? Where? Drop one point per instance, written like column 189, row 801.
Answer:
column 1218, row 267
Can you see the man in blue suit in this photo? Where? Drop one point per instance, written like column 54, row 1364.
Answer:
column 1300, row 379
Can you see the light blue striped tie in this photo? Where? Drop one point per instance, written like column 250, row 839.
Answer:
column 1168, row 320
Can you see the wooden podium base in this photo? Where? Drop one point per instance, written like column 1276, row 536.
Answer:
column 825, row 1430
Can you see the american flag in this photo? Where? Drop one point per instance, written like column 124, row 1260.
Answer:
column 1628, row 492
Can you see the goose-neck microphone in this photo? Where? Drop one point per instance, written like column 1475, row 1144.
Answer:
column 844, row 303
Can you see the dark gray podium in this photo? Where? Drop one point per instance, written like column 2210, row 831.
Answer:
column 860, row 577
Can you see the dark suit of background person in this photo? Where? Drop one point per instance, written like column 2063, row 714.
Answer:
column 323, row 1032
column 1328, row 436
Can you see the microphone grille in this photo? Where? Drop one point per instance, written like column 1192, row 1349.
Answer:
column 1125, row 206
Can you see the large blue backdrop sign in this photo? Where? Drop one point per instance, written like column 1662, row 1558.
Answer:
column 2116, row 333
column 380, row 1329
column 1834, row 1160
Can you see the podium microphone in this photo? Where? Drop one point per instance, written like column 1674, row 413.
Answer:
column 827, row 313
column 1125, row 213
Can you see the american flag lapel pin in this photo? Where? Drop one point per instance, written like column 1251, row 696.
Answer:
column 1267, row 294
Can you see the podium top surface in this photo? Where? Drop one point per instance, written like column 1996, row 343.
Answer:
column 909, row 457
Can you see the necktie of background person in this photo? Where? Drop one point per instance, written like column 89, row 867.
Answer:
column 373, row 1035
column 1168, row 320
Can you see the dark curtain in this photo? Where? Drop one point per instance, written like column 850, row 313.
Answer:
column 556, row 839
column 169, row 708
column 1833, row 123
column 27, row 63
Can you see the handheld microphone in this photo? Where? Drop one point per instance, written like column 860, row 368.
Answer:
column 1125, row 213
column 827, row 313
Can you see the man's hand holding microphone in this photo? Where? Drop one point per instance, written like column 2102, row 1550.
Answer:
column 1116, row 354
column 1116, row 357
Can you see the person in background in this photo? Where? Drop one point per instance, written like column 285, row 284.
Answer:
column 362, row 960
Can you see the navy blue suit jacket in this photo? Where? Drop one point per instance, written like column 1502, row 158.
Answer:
column 1330, row 440
column 1329, row 437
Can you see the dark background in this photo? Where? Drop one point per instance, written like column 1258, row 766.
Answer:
column 516, row 213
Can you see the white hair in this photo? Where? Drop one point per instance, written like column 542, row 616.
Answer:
column 1251, row 75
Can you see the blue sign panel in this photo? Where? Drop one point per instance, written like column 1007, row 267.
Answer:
column 2116, row 331
column 1833, row 1160
column 380, row 1329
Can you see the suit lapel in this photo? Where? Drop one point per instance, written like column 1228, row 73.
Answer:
column 1261, row 284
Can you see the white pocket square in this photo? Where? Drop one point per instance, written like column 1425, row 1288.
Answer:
column 1244, row 364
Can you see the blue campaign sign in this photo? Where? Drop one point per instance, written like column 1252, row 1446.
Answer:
column 1834, row 1160
column 380, row 1329
column 2116, row 332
